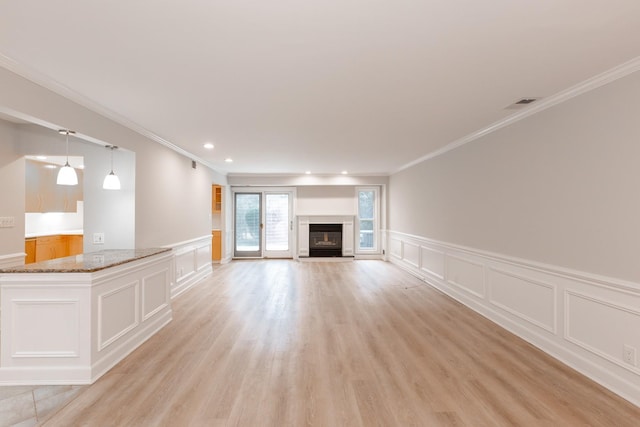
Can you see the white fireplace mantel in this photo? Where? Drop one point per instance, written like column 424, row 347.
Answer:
column 347, row 231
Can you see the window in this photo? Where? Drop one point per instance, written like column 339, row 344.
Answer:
column 368, row 208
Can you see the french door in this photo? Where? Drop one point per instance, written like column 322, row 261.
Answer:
column 263, row 224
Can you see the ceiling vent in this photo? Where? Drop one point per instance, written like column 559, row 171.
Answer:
column 522, row 103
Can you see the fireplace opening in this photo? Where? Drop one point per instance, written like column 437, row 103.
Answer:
column 325, row 240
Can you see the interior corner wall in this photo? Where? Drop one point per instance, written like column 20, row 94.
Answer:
column 560, row 187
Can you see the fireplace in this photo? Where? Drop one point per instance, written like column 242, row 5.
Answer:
column 325, row 240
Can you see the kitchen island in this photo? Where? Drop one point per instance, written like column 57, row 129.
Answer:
column 70, row 320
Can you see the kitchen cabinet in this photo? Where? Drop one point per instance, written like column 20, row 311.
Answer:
column 75, row 244
column 216, row 199
column 50, row 247
column 42, row 192
column 30, row 250
column 216, row 245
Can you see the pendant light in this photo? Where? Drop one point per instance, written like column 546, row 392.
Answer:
column 67, row 175
column 111, row 181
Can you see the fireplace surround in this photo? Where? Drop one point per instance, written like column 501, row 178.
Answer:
column 306, row 221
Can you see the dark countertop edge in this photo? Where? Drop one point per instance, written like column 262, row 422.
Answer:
column 59, row 270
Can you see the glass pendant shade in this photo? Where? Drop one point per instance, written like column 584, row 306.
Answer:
column 67, row 176
column 111, row 182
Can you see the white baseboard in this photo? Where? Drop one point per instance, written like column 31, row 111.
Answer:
column 550, row 307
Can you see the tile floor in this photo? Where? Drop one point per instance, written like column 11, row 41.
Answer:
column 25, row 406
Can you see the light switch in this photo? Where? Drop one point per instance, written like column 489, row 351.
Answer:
column 7, row 221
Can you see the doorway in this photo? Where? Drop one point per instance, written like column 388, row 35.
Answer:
column 263, row 223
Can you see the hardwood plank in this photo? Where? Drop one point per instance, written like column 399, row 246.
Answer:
column 282, row 343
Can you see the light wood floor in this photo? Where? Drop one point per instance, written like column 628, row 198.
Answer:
column 282, row 343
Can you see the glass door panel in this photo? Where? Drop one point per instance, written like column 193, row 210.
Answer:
column 248, row 225
column 278, row 225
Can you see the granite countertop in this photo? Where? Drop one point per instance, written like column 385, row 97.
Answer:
column 86, row 263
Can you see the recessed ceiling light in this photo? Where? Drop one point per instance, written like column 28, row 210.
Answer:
column 344, row 172
column 50, row 166
column 208, row 146
column 308, row 172
column 228, row 160
column 41, row 157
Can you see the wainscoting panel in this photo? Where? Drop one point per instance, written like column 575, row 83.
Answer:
column 155, row 295
column 117, row 313
column 55, row 331
column 528, row 299
column 585, row 314
column 466, row 274
column 192, row 262
column 589, row 322
column 432, row 262
column 395, row 248
column 411, row 253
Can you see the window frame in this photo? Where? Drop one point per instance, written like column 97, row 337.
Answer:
column 376, row 220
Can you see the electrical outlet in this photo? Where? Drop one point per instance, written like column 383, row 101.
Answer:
column 629, row 355
column 98, row 238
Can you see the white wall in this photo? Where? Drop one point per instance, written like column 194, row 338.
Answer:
column 560, row 187
column 12, row 201
column 172, row 200
column 326, row 200
column 536, row 227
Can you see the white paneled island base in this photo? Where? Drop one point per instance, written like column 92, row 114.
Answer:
column 68, row 321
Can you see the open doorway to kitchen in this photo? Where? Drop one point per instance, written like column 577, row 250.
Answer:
column 217, row 201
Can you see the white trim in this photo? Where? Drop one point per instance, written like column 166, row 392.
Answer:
column 376, row 220
column 590, row 84
column 547, row 268
column 567, row 326
column 541, row 320
column 102, row 343
column 12, row 260
column 197, row 272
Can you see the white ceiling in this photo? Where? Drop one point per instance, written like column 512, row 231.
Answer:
column 285, row 86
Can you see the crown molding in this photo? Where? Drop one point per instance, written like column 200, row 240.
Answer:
column 590, row 84
column 66, row 92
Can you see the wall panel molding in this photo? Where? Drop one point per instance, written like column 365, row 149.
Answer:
column 582, row 319
column 55, row 326
column 155, row 297
column 192, row 263
column 466, row 274
column 538, row 308
column 432, row 262
column 113, row 314
column 606, row 315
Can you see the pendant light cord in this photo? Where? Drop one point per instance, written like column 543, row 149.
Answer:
column 67, row 132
